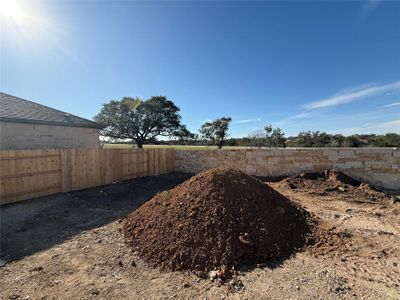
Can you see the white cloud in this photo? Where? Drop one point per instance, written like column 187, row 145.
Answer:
column 353, row 94
column 368, row 8
column 247, row 121
column 379, row 128
column 356, row 88
column 244, row 121
column 302, row 115
column 300, row 118
column 391, row 104
column 375, row 121
column 371, row 5
column 395, row 124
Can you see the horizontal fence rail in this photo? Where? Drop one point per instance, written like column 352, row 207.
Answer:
column 26, row 174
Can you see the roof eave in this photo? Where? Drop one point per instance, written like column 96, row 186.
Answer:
column 40, row 122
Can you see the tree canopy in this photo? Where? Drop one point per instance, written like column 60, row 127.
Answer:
column 182, row 134
column 140, row 121
column 216, row 131
column 269, row 137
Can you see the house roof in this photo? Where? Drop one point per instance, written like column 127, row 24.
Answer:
column 17, row 110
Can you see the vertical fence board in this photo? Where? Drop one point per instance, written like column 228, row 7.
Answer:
column 151, row 162
column 66, row 174
column 106, row 172
column 173, row 158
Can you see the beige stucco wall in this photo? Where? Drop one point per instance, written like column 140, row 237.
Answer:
column 15, row 136
column 377, row 166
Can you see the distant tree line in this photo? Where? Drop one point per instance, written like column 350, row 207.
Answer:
column 137, row 121
column 303, row 139
column 322, row 139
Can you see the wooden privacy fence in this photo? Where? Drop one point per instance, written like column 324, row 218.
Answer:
column 26, row 174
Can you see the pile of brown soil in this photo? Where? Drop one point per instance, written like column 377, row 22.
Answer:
column 220, row 219
column 335, row 183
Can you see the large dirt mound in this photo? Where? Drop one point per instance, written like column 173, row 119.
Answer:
column 337, row 184
column 219, row 219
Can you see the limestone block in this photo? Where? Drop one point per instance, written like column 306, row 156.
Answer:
column 354, row 164
column 276, row 151
column 330, row 153
column 346, row 153
column 388, row 151
column 363, row 151
column 340, row 166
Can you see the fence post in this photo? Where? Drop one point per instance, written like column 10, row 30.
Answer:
column 66, row 170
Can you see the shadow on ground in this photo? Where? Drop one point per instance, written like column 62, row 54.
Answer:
column 38, row 224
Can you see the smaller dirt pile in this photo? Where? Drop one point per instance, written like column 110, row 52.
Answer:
column 220, row 219
column 335, row 183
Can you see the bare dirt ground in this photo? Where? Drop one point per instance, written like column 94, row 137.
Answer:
column 70, row 246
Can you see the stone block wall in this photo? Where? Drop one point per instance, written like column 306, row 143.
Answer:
column 18, row 136
column 377, row 166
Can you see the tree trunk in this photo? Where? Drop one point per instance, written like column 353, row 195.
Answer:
column 139, row 145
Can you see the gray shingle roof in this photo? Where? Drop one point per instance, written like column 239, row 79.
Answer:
column 14, row 109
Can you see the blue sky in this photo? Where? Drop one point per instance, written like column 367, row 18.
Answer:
column 328, row 66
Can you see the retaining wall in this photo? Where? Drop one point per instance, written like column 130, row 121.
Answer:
column 377, row 166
